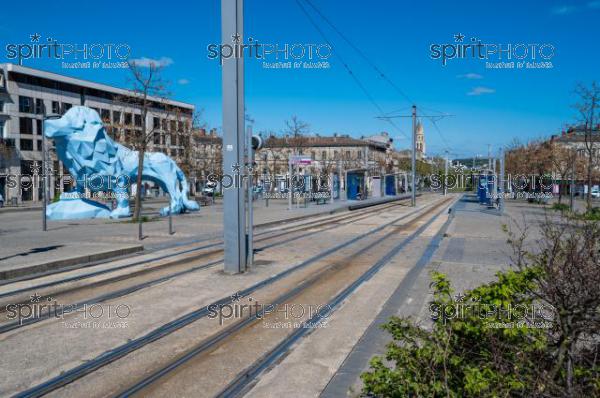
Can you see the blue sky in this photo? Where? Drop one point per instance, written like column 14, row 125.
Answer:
column 396, row 37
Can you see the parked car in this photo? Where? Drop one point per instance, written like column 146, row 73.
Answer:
column 208, row 191
column 583, row 190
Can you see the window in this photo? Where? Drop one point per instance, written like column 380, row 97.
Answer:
column 1, row 129
column 173, row 126
column 38, row 125
column 324, row 155
column 39, row 145
column 157, row 138
column 348, row 155
column 25, row 104
column 138, row 120
column 156, row 123
column 65, row 107
column 105, row 115
column 39, row 106
column 128, row 119
column 26, row 145
column 1, row 106
column 180, row 126
column 25, row 125
column 55, row 107
column 116, row 117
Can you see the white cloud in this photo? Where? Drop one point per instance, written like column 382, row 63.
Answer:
column 183, row 82
column 481, row 90
column 563, row 10
column 594, row 4
column 470, row 76
column 146, row 62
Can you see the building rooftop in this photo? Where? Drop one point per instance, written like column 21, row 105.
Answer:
column 312, row 141
column 24, row 70
column 576, row 134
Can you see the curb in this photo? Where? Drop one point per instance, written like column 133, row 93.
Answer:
column 67, row 262
column 36, row 270
column 19, row 209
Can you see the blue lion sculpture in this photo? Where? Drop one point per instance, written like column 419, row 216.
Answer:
column 99, row 164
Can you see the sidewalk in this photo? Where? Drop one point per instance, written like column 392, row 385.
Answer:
column 472, row 249
column 25, row 249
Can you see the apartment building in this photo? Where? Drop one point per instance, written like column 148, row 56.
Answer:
column 327, row 154
column 25, row 93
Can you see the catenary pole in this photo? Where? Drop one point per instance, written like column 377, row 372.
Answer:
column 232, row 31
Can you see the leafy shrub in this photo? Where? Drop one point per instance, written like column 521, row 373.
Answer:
column 593, row 214
column 546, row 346
column 560, row 207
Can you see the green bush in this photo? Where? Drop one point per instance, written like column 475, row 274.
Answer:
column 461, row 356
column 474, row 350
column 593, row 214
column 560, row 207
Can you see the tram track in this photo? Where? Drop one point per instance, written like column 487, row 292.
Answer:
column 88, row 294
column 113, row 355
column 338, row 279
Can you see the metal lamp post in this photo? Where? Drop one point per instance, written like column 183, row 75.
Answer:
column 45, row 166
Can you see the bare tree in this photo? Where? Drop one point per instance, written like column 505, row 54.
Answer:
column 296, row 132
column 192, row 162
column 589, row 98
column 566, row 163
column 566, row 269
column 146, row 86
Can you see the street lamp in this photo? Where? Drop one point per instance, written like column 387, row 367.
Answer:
column 577, row 152
column 45, row 164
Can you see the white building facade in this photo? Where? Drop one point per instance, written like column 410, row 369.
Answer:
column 25, row 92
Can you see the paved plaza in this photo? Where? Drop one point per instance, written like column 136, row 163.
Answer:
column 23, row 244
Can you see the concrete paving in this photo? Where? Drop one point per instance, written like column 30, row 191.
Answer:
column 469, row 247
column 48, row 355
column 25, row 249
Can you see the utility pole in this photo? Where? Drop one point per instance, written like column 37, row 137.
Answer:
column 45, row 167
column 414, row 146
column 290, row 183
column 45, row 171
column 572, row 184
column 446, row 175
column 250, row 220
column 232, row 30
column 501, row 190
column 413, row 201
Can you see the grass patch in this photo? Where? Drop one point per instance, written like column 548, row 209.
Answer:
column 560, row 207
column 593, row 214
column 144, row 219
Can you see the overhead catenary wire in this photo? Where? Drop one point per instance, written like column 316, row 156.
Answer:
column 360, row 53
column 348, row 69
column 368, row 60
